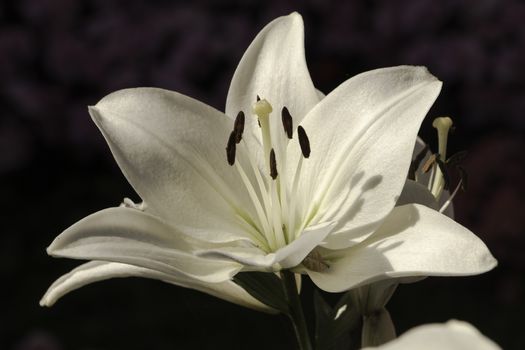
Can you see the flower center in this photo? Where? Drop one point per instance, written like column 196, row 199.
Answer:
column 279, row 218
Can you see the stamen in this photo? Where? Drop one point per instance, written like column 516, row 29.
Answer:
column 444, row 172
column 303, row 141
column 287, row 122
column 231, row 148
column 258, row 98
column 416, row 162
column 464, row 177
column 429, row 163
column 263, row 219
column 293, row 204
column 447, row 203
column 273, row 165
column 238, row 126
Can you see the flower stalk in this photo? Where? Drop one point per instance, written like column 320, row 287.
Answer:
column 296, row 310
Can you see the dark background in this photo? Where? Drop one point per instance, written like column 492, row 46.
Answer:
column 58, row 56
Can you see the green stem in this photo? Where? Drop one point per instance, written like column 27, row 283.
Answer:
column 296, row 310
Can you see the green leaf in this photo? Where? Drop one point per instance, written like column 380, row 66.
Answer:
column 265, row 287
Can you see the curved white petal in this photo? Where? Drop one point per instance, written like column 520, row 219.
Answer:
column 95, row 271
column 288, row 256
column 171, row 149
column 362, row 136
column 453, row 335
column 133, row 237
column 274, row 68
column 413, row 241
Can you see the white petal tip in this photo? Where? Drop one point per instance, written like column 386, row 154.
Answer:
column 46, row 302
column 49, row 250
column 94, row 112
column 295, row 15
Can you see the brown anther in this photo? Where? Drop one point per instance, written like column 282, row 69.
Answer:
column 273, row 165
column 258, row 98
column 303, row 141
column 416, row 162
column 287, row 122
column 428, row 164
column 238, row 126
column 231, row 148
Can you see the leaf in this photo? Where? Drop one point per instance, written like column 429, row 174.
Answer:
column 265, row 287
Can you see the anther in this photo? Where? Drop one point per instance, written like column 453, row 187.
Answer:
column 258, row 98
column 238, row 126
column 416, row 163
column 303, row 141
column 287, row 122
column 429, row 163
column 315, row 262
column 231, row 148
column 273, row 165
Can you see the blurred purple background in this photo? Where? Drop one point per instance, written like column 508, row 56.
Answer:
column 58, row 56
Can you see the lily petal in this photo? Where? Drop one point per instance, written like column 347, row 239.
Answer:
column 413, row 241
column 171, row 149
column 133, row 237
column 414, row 192
column 453, row 335
column 274, row 68
column 362, row 136
column 95, row 271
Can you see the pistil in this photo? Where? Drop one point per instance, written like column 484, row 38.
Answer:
column 442, row 125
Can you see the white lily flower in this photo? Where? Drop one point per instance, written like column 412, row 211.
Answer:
column 453, row 335
column 306, row 183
